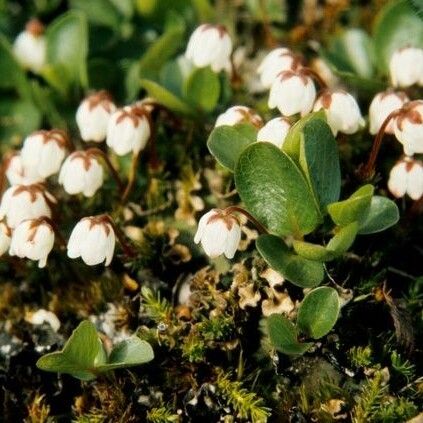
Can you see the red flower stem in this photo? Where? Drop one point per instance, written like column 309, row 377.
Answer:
column 61, row 240
column 97, row 152
column 257, row 224
column 131, row 177
column 369, row 168
column 313, row 74
column 126, row 247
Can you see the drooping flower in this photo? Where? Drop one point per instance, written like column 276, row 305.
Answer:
column 128, row 130
column 406, row 67
column 342, row 111
column 278, row 60
column 22, row 202
column 30, row 46
column 81, row 173
column 17, row 174
column 219, row 233
column 92, row 239
column 381, row 106
column 292, row 92
column 274, row 131
column 43, row 152
column 93, row 115
column 210, row 45
column 239, row 114
column 408, row 127
column 33, row 239
column 406, row 177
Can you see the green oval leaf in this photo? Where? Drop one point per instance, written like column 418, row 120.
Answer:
column 166, row 98
column 296, row 269
column 312, row 251
column 67, row 50
column 318, row 312
column 397, row 25
column 382, row 215
column 343, row 239
column 226, row 143
column 354, row 208
column 202, row 89
column 284, row 336
column 274, row 190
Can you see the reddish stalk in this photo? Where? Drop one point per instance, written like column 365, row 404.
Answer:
column 61, row 240
column 368, row 170
column 131, row 177
column 97, row 152
column 313, row 74
column 127, row 249
column 252, row 219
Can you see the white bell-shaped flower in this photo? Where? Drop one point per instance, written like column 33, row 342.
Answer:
column 5, row 238
column 406, row 67
column 43, row 152
column 22, row 202
column 17, row 174
column 219, row 233
column 93, row 115
column 275, row 131
column 33, row 239
column 381, row 106
column 406, row 177
column 278, row 60
column 408, row 127
column 81, row 173
column 92, row 239
column 342, row 111
column 30, row 46
column 128, row 130
column 210, row 45
column 292, row 92
column 239, row 114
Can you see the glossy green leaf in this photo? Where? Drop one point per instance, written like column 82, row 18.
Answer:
column 382, row 215
column 397, row 25
column 130, row 352
column 82, row 353
column 343, row 239
column 226, row 143
column 284, row 336
column 274, row 190
column 166, row 98
column 99, row 12
column 296, row 269
column 354, row 208
column 320, row 161
column 318, row 312
column 312, row 251
column 204, row 10
column 67, row 50
column 202, row 89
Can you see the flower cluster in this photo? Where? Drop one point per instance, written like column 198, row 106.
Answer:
column 27, row 221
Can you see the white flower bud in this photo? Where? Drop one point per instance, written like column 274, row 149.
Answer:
column 5, row 238
column 381, row 106
column 408, row 127
column 43, row 152
column 128, row 130
column 342, row 111
column 277, row 61
column 43, row 316
column 275, row 131
column 92, row 116
column 22, row 202
column 218, row 233
column 292, row 92
column 406, row 177
column 16, row 173
column 33, row 239
column 92, row 239
column 239, row 114
column 406, row 67
column 81, row 173
column 210, row 45
column 30, row 46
